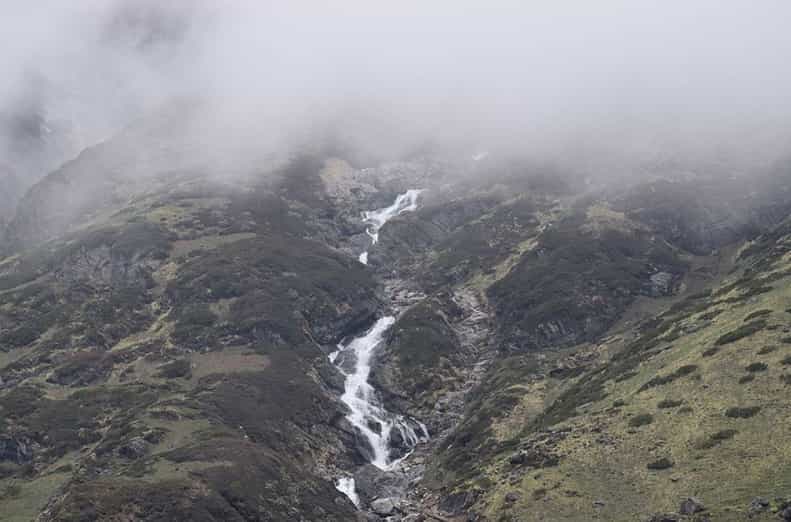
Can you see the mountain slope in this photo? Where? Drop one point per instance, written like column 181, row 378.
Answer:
column 165, row 329
column 689, row 402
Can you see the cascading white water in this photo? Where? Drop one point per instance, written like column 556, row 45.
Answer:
column 346, row 486
column 375, row 219
column 383, row 430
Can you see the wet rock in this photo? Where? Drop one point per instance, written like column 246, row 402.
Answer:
column 15, row 450
column 332, row 377
column 690, row 506
column 345, row 361
column 374, row 426
column 363, row 446
column 371, row 482
column 383, row 506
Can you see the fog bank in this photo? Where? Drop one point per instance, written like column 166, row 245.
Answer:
column 607, row 85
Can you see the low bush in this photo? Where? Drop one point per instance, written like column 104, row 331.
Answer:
column 741, row 332
column 641, row 419
column 756, row 367
column 660, row 380
column 715, row 439
column 742, row 412
column 660, row 464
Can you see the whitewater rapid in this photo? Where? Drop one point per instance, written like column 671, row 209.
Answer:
column 391, row 436
column 375, row 219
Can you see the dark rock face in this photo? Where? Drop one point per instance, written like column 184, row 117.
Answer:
column 15, row 450
column 457, row 504
column 576, row 282
column 134, row 449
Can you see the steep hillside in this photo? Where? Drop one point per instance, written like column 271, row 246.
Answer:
column 164, row 358
column 167, row 331
column 689, row 402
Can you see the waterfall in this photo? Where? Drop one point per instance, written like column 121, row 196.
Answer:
column 375, row 219
column 390, row 436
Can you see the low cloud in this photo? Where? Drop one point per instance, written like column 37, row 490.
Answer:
column 616, row 84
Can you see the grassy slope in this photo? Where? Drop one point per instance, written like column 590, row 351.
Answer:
column 725, row 459
column 196, row 355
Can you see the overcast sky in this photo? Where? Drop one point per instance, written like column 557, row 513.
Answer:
column 633, row 79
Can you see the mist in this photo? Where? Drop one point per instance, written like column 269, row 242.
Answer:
column 604, row 87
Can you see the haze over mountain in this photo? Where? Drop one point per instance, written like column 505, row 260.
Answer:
column 463, row 261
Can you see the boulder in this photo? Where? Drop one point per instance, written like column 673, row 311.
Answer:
column 134, row 448
column 661, row 284
column 383, row 506
column 371, row 482
column 512, row 497
column 758, row 505
column 690, row 506
column 457, row 503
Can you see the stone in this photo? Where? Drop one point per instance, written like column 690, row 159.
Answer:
column 134, row 449
column 371, row 483
column 758, row 505
column 457, row 503
column 690, row 506
column 15, row 450
column 661, row 284
column 383, row 506
column 534, row 457
column 511, row 497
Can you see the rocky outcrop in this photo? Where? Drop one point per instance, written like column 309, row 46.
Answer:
column 15, row 450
